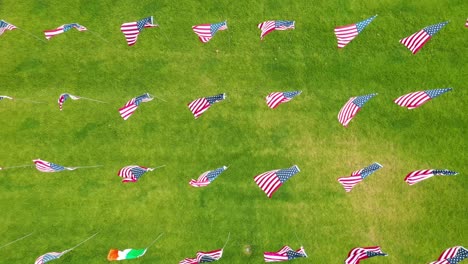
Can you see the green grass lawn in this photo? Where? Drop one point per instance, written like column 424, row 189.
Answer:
column 413, row 224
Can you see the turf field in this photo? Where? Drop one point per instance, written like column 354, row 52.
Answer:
column 413, row 224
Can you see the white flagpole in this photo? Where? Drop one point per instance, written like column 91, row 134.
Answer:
column 85, row 167
column 227, row 240
column 154, row 241
column 12, row 167
column 163, row 32
column 17, row 240
column 27, row 100
column 79, row 244
column 28, row 33
column 159, row 98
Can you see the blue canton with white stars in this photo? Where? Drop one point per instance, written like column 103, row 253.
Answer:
column 285, row 174
column 371, row 254
column 3, row 24
column 141, row 23
column 56, row 167
column 206, row 258
column 363, row 24
column 290, row 95
column 215, row 27
column 138, row 172
column 361, row 100
column 284, row 23
column 69, row 26
column 213, row 99
column 293, row 254
column 444, row 172
column 436, row 92
column 431, row 30
column 370, row 169
column 140, row 98
column 214, row 174
column 461, row 255
column 49, row 257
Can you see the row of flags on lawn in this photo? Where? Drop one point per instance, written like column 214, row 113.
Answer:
column 201, row 105
column 269, row 182
column 205, row 32
column 453, row 255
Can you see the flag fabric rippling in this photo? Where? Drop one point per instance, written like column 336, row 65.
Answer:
column 453, row 255
column 207, row 177
column 277, row 98
column 4, row 26
column 416, row 41
column 131, row 30
column 63, row 97
column 357, row 254
column 357, row 176
column 346, row 34
column 129, row 108
column 270, row 181
column 421, row 175
column 206, row 31
column 200, row 105
column 352, row 107
column 204, row 257
column 132, row 173
column 45, row 166
column 63, row 28
column 416, row 99
column 268, row 26
column 284, row 254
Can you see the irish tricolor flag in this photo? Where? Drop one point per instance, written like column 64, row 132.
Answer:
column 115, row 254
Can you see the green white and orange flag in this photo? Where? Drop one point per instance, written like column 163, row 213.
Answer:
column 115, row 254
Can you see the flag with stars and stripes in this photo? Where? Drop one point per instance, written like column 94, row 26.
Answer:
column 416, row 41
column 49, row 256
column 63, row 28
column 360, row 253
column 129, row 108
column 5, row 97
column 277, row 98
column 4, row 26
column 284, row 254
column 268, row 26
column 453, row 255
column 63, row 97
column 345, row 34
column 421, row 175
column 200, row 105
column 416, row 99
column 207, row 177
column 357, row 176
column 131, row 30
column 206, row 31
column 132, row 173
column 352, row 107
column 204, row 257
column 45, row 166
column 270, row 181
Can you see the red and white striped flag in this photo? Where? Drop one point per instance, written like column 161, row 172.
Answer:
column 416, row 99
column 63, row 28
column 421, row 175
column 270, row 181
column 357, row 176
column 452, row 255
column 277, row 98
column 284, row 254
column 45, row 166
column 206, row 31
column 132, row 173
column 131, row 30
column 345, row 34
column 200, row 105
column 207, row 177
column 130, row 107
column 416, row 41
column 357, row 254
column 203, row 257
column 64, row 97
column 352, row 107
column 6, row 26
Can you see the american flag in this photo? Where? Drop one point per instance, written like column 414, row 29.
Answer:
column 357, row 176
column 131, row 30
column 416, row 41
column 345, row 34
column 45, row 166
column 453, row 255
column 203, row 257
column 466, row 24
column 5, row 26
column 416, row 99
column 270, row 181
column 360, row 253
column 207, row 177
column 129, row 108
column 64, row 97
column 352, row 107
column 132, row 173
column 277, row 98
column 269, row 26
column 63, row 28
column 206, row 31
column 200, row 105
column 50, row 256
column 421, row 175
column 284, row 254
column 5, row 97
